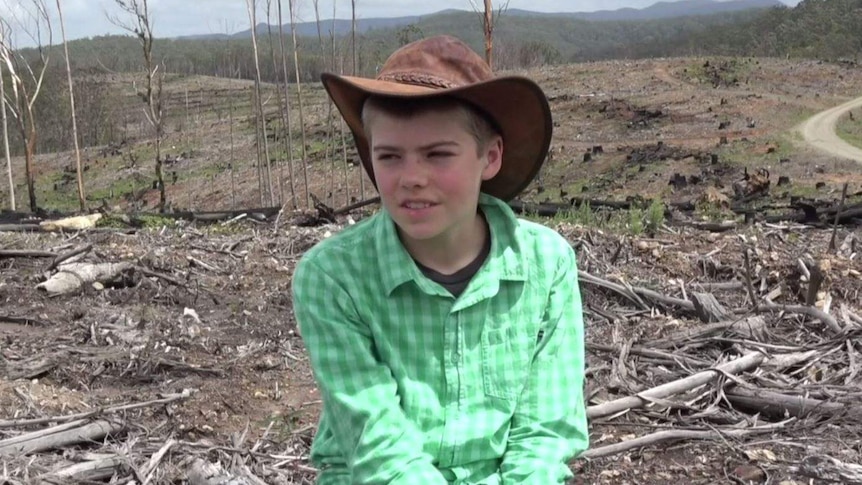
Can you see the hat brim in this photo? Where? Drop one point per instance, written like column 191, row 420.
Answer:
column 516, row 104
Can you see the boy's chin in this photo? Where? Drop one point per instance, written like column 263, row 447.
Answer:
column 418, row 232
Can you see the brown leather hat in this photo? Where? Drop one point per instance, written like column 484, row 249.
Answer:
column 445, row 66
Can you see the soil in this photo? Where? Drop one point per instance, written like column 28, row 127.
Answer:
column 225, row 330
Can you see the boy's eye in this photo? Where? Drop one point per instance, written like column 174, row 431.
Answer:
column 387, row 156
column 439, row 154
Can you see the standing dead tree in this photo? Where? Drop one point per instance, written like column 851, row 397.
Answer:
column 142, row 28
column 489, row 22
column 79, row 172
column 355, row 72
column 343, row 134
column 3, row 32
column 293, row 6
column 286, row 113
column 275, row 73
column 261, row 116
column 26, row 86
column 328, row 146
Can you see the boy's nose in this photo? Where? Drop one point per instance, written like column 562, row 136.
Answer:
column 414, row 173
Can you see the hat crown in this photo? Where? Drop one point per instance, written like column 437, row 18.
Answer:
column 441, row 62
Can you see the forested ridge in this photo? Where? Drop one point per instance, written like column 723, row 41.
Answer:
column 829, row 30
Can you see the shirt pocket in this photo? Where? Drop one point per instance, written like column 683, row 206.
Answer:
column 506, row 356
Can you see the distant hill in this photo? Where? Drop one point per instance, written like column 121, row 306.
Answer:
column 341, row 27
column 660, row 10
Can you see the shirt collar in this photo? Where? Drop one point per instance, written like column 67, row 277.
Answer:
column 505, row 261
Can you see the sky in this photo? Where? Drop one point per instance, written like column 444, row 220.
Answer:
column 173, row 18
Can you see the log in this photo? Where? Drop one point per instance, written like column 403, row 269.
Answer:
column 20, row 228
column 86, row 471
column 28, row 443
column 72, row 276
column 779, row 405
column 24, row 321
column 34, row 366
column 23, row 253
column 744, row 363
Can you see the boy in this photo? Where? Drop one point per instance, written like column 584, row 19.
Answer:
column 445, row 335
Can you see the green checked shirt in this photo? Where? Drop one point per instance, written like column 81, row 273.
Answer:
column 420, row 387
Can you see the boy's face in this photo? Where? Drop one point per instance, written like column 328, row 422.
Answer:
column 429, row 173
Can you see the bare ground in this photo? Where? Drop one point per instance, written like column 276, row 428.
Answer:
column 206, row 308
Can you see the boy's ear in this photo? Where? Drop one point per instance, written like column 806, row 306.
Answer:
column 493, row 158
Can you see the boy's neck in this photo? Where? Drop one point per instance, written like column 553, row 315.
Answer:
column 447, row 256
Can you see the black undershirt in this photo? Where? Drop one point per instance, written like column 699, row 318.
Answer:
column 458, row 281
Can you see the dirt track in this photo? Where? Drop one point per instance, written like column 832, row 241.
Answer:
column 819, row 131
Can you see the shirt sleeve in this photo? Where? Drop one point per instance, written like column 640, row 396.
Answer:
column 359, row 393
column 549, row 426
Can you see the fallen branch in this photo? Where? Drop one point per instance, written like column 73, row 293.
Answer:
column 749, row 327
column 585, row 277
column 23, row 253
column 86, row 471
column 744, row 363
column 353, row 207
column 656, row 354
column 24, row 321
column 777, row 404
column 812, row 312
column 69, row 255
column 39, row 441
column 673, row 435
column 154, row 461
column 168, row 398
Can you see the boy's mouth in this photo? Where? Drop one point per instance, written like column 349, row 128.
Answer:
column 416, row 205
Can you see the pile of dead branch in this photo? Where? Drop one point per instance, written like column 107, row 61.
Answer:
column 754, row 339
column 106, row 444
column 117, row 443
column 691, row 336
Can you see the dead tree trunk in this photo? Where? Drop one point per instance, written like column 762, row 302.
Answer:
column 286, row 113
column 6, row 127
column 292, row 5
column 79, row 171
